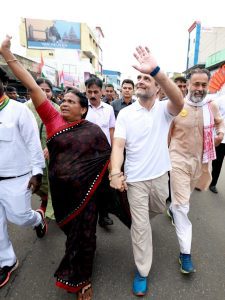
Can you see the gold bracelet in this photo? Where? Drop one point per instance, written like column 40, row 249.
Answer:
column 11, row 60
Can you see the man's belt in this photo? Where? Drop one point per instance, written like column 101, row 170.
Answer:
column 5, row 178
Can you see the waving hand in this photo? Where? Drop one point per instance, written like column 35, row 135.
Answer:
column 147, row 62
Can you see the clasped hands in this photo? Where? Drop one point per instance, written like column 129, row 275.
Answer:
column 118, row 181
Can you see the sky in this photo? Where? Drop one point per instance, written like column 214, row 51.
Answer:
column 161, row 25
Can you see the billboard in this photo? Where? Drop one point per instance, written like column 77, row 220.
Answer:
column 52, row 34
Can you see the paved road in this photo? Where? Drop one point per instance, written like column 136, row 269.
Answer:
column 114, row 267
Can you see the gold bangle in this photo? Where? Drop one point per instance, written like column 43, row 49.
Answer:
column 115, row 174
column 11, row 60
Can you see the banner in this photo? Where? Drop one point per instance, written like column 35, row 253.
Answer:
column 52, row 34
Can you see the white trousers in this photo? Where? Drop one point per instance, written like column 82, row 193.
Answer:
column 183, row 226
column 15, row 207
column 146, row 199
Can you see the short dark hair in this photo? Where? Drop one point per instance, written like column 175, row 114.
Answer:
column 69, row 88
column 181, row 79
column 82, row 99
column 41, row 80
column 10, row 89
column 94, row 80
column 129, row 81
column 109, row 85
column 198, row 71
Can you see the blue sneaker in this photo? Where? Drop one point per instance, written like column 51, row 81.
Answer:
column 139, row 285
column 186, row 265
column 170, row 215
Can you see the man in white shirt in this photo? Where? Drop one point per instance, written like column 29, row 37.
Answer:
column 99, row 112
column 102, row 114
column 21, row 164
column 142, row 129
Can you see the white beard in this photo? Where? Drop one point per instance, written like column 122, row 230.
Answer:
column 195, row 99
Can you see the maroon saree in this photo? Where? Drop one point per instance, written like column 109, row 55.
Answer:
column 79, row 156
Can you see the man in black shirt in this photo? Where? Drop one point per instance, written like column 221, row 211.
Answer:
column 127, row 90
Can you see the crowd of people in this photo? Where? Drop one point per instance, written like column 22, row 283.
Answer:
column 93, row 151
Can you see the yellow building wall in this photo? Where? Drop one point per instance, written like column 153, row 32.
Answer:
column 89, row 45
column 36, row 53
column 22, row 33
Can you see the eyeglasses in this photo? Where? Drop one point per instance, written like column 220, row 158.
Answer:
column 181, row 86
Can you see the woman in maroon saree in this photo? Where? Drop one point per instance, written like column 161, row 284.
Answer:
column 79, row 153
column 79, row 156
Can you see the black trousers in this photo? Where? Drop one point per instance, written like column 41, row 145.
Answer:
column 217, row 163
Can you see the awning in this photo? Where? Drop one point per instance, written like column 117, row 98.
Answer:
column 7, row 75
column 3, row 75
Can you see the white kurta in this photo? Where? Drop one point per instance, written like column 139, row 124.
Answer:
column 21, row 154
column 20, row 147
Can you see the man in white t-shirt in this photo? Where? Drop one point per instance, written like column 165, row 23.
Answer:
column 102, row 114
column 142, row 129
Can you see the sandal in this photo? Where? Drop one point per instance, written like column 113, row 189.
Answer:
column 85, row 293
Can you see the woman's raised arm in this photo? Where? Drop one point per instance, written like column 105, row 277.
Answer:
column 37, row 95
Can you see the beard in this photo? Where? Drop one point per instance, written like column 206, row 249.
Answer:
column 196, row 98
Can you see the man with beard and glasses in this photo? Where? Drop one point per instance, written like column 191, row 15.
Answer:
column 142, row 130
column 192, row 148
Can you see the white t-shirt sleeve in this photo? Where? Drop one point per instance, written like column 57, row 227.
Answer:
column 168, row 116
column 112, row 119
column 120, row 128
